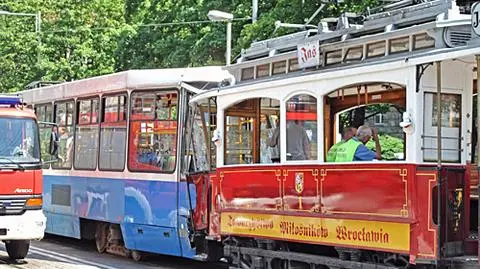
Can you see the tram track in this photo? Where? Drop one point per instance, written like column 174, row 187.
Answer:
column 56, row 252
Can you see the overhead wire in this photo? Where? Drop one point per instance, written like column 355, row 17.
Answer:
column 86, row 28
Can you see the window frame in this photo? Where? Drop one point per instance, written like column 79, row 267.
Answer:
column 130, row 120
column 370, row 52
column 126, row 121
column 284, row 152
column 443, row 128
column 66, row 101
column 44, row 108
column 90, row 124
column 248, row 110
column 380, row 121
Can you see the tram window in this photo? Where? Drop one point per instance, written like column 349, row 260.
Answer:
column 279, row 67
column 423, row 41
column 113, row 133
column 474, row 144
column 301, row 120
column 401, row 44
column 239, row 140
column 354, row 54
column 450, row 122
column 153, row 132
column 247, row 73
column 333, row 57
column 48, row 113
column 200, row 142
column 263, row 70
column 86, row 135
column 293, row 65
column 122, row 112
column 64, row 112
column 376, row 49
column 44, row 113
column 210, row 118
column 269, row 134
column 198, row 146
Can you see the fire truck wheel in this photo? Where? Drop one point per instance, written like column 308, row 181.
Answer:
column 17, row 249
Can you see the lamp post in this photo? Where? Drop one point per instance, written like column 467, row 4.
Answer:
column 215, row 15
column 38, row 22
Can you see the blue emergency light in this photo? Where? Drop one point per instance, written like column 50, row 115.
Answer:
column 10, row 100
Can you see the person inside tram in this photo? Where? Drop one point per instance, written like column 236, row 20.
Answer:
column 266, row 131
column 54, row 142
column 355, row 149
column 274, row 143
column 347, row 134
column 298, row 144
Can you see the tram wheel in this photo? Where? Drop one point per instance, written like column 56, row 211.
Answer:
column 136, row 255
column 101, row 240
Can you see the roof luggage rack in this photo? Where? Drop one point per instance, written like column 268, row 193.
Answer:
column 394, row 15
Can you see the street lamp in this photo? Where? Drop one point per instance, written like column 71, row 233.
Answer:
column 38, row 22
column 215, row 15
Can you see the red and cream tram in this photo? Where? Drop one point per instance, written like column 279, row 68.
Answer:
column 410, row 73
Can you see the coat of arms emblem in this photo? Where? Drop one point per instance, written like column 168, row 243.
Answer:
column 299, row 182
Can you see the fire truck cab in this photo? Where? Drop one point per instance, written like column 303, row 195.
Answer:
column 21, row 215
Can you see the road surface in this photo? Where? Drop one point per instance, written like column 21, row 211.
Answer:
column 58, row 252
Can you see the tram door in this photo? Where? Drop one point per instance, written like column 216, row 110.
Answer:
column 451, row 119
column 453, row 224
column 198, row 161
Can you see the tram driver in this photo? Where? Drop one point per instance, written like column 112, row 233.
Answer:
column 355, row 149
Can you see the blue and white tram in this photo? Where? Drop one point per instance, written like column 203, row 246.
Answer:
column 117, row 179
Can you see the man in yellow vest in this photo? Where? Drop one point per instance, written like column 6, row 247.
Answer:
column 347, row 134
column 355, row 149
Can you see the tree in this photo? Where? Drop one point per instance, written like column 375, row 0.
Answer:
column 392, row 147
column 203, row 43
column 93, row 37
column 79, row 40
column 356, row 117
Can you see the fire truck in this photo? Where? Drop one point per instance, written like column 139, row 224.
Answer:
column 21, row 215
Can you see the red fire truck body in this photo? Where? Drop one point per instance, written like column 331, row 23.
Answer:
column 21, row 215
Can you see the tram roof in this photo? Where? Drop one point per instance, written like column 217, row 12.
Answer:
column 467, row 53
column 131, row 79
column 446, row 25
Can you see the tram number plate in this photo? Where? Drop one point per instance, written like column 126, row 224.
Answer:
column 476, row 18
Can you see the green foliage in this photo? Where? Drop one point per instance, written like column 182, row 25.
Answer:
column 70, row 47
column 86, row 38
column 390, row 146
